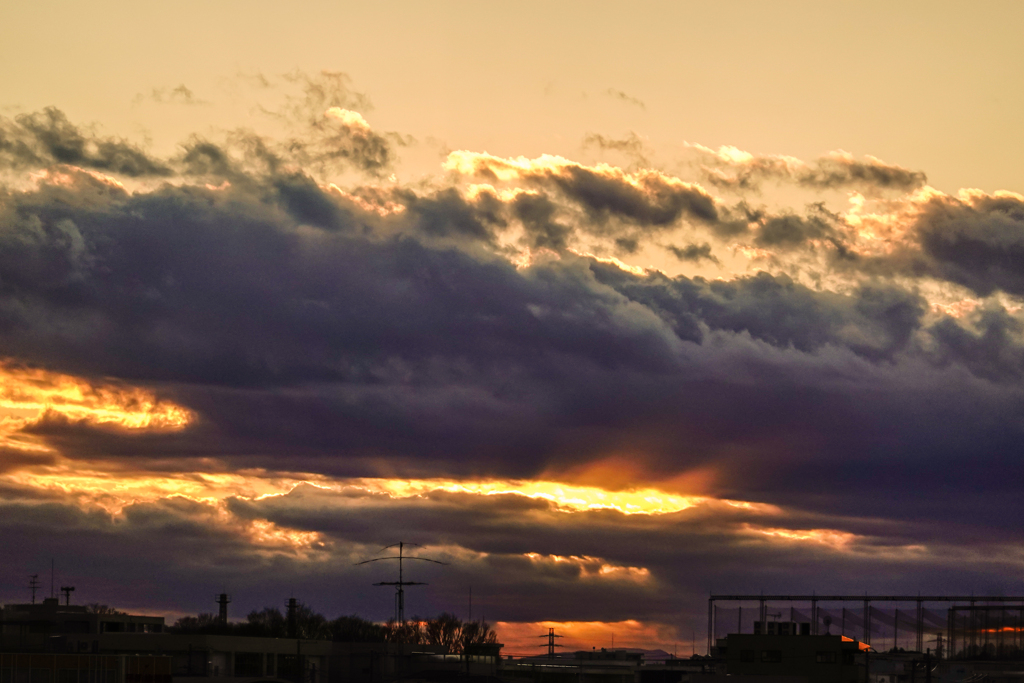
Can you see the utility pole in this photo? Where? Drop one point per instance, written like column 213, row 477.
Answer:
column 33, row 583
column 401, row 583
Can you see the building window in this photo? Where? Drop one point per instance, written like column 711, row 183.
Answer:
column 746, row 655
column 771, row 656
column 848, row 658
column 826, row 657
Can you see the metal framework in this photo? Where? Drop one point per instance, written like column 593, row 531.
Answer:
column 401, row 583
column 814, row 599
column 995, row 624
column 551, row 644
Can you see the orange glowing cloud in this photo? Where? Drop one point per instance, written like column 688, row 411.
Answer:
column 564, row 497
column 28, row 394
column 838, row 540
column 594, row 567
column 113, row 490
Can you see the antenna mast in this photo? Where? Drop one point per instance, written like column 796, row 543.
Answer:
column 33, row 583
column 401, row 583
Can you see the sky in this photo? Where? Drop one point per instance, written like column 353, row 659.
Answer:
column 608, row 307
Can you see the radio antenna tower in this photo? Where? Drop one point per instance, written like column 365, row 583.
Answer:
column 401, row 583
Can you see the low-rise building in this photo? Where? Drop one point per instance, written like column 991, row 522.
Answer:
column 779, row 652
column 53, row 643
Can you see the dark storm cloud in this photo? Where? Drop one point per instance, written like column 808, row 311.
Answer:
column 875, row 321
column 978, row 243
column 373, row 342
column 526, row 560
column 790, row 230
column 703, row 546
column 446, row 214
column 45, row 138
column 175, row 545
column 991, row 347
column 975, row 241
column 386, row 331
column 538, row 216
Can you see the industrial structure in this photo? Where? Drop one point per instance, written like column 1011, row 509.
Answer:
column 401, row 583
column 790, row 650
column 969, row 626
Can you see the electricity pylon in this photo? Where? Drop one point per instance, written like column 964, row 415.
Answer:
column 551, row 644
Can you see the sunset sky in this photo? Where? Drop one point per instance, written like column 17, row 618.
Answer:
column 607, row 306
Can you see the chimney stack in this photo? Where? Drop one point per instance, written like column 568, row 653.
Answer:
column 293, row 622
column 223, row 599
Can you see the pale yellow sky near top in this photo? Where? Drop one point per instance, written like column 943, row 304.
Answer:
column 929, row 85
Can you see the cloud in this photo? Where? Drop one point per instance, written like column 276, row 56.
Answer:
column 646, row 197
column 633, row 146
column 623, row 97
column 261, row 358
column 327, row 136
column 788, row 230
column 45, row 138
column 732, row 168
column 177, row 95
column 526, row 559
column 840, row 169
column 972, row 240
column 975, row 241
column 292, row 322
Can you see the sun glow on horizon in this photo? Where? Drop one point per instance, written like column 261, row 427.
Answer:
column 525, row 638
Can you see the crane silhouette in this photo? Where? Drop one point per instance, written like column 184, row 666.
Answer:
column 401, row 583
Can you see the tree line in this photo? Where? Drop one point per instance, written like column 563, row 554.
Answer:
column 446, row 630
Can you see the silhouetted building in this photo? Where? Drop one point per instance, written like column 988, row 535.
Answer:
column 65, row 668
column 50, row 626
column 778, row 652
column 48, row 642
